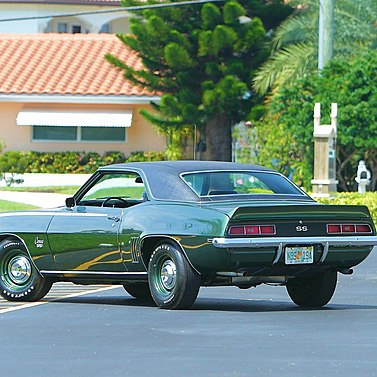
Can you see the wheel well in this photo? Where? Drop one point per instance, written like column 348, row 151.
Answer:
column 150, row 243
column 9, row 236
column 13, row 237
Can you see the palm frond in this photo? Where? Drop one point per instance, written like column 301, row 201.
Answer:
column 296, row 29
column 355, row 28
column 286, row 65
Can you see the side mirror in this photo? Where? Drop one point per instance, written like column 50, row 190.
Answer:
column 70, row 202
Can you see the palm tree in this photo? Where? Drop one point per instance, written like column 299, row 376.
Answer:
column 295, row 41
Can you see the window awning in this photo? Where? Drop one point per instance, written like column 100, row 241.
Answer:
column 74, row 118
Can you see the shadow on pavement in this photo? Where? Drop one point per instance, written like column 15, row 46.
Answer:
column 216, row 304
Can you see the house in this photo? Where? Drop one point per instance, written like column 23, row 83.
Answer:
column 58, row 93
column 63, row 16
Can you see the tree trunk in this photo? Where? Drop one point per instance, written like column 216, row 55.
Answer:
column 218, row 138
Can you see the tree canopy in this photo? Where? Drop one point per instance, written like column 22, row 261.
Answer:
column 350, row 83
column 295, row 41
column 201, row 58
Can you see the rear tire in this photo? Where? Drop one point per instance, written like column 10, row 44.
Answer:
column 173, row 283
column 314, row 291
column 19, row 279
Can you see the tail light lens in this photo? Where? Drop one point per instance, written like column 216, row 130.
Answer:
column 348, row 228
column 363, row 228
column 334, row 228
column 252, row 230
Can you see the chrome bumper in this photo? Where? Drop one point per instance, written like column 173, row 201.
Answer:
column 283, row 241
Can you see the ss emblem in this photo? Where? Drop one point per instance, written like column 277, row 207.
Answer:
column 301, row 228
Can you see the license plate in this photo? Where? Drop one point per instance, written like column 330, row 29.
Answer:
column 299, row 255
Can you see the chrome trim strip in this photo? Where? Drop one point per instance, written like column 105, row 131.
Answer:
column 224, row 243
column 101, row 273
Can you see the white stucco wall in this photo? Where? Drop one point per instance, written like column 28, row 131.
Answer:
column 93, row 22
column 141, row 136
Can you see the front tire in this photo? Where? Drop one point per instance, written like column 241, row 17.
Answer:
column 173, row 283
column 139, row 290
column 314, row 291
column 19, row 279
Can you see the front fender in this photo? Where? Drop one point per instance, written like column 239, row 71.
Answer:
column 30, row 227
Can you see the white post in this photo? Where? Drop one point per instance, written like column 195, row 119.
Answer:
column 324, row 180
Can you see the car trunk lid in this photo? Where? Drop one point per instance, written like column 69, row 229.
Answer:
column 299, row 219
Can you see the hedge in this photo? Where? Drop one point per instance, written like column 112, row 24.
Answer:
column 369, row 199
column 67, row 162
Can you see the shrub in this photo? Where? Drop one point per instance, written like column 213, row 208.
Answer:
column 369, row 199
column 146, row 156
column 67, row 162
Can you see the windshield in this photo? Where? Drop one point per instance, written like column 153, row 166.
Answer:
column 239, row 183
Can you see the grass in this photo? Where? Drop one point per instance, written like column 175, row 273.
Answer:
column 6, row 206
column 70, row 190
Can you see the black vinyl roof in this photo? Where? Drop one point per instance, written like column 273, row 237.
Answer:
column 180, row 167
column 164, row 180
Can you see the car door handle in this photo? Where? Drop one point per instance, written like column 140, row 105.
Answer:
column 114, row 218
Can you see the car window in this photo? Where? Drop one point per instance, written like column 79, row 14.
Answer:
column 239, row 183
column 128, row 187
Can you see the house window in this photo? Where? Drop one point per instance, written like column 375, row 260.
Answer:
column 54, row 133
column 62, row 27
column 105, row 28
column 103, row 134
column 79, row 134
column 76, row 29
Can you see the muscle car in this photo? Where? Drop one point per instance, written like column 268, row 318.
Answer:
column 164, row 229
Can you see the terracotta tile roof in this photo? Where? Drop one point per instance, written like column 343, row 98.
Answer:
column 64, row 64
column 80, row 2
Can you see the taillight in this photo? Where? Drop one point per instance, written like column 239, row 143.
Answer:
column 252, row 230
column 348, row 228
column 233, row 230
column 334, row 228
column 363, row 228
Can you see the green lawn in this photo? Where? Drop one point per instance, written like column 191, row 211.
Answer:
column 6, row 206
column 70, row 190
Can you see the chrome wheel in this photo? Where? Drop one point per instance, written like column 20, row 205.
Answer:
column 168, row 274
column 173, row 283
column 19, row 270
column 19, row 279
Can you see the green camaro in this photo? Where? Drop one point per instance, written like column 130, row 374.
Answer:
column 163, row 229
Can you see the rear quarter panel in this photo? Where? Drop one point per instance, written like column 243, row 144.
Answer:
column 192, row 226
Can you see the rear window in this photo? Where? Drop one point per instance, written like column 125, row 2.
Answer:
column 239, row 183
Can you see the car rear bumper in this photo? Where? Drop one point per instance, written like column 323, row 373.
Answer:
column 350, row 241
column 346, row 251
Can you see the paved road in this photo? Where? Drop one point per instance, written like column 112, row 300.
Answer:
column 228, row 332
